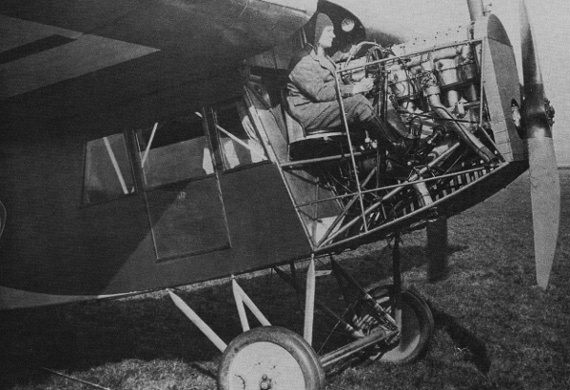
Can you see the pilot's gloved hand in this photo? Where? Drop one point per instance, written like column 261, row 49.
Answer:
column 363, row 85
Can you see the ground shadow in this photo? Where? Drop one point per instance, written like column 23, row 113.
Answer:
column 474, row 350
column 85, row 335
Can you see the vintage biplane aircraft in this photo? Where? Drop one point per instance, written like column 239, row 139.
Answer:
column 147, row 145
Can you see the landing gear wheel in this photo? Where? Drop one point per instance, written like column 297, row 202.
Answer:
column 415, row 322
column 270, row 357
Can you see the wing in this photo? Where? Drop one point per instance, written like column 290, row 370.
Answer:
column 77, row 57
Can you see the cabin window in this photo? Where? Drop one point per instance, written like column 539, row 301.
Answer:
column 240, row 144
column 108, row 174
column 173, row 151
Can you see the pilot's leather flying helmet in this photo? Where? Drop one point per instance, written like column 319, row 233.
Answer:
column 321, row 22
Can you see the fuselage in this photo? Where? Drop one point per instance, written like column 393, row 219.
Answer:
column 190, row 180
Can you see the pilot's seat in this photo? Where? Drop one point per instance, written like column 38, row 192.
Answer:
column 307, row 144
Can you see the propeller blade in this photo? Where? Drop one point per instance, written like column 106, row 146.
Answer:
column 544, row 179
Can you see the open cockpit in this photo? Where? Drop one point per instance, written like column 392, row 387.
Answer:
column 447, row 95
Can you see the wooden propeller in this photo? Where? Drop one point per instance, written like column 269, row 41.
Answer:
column 544, row 179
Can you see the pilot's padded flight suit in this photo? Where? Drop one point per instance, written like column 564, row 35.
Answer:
column 312, row 96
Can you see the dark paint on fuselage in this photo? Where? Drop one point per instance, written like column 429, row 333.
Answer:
column 53, row 243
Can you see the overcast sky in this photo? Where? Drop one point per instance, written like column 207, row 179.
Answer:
column 551, row 25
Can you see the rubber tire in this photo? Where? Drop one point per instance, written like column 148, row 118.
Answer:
column 294, row 344
column 415, row 310
column 431, row 320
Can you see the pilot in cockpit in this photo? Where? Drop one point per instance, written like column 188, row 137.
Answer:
column 312, row 94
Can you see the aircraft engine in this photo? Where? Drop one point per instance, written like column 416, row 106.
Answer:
column 436, row 91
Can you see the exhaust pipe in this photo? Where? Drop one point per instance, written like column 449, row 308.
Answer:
column 477, row 146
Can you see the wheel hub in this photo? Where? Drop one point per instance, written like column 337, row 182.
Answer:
column 266, row 383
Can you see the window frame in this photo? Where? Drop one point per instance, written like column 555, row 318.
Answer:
column 213, row 142
column 138, row 153
column 218, row 139
column 131, row 169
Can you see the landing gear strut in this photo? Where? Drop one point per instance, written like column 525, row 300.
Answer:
column 385, row 323
column 400, row 313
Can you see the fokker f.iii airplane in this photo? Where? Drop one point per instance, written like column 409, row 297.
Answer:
column 147, row 145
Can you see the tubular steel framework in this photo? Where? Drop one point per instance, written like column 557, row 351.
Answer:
column 439, row 95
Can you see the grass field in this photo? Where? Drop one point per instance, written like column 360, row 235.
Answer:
column 494, row 328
